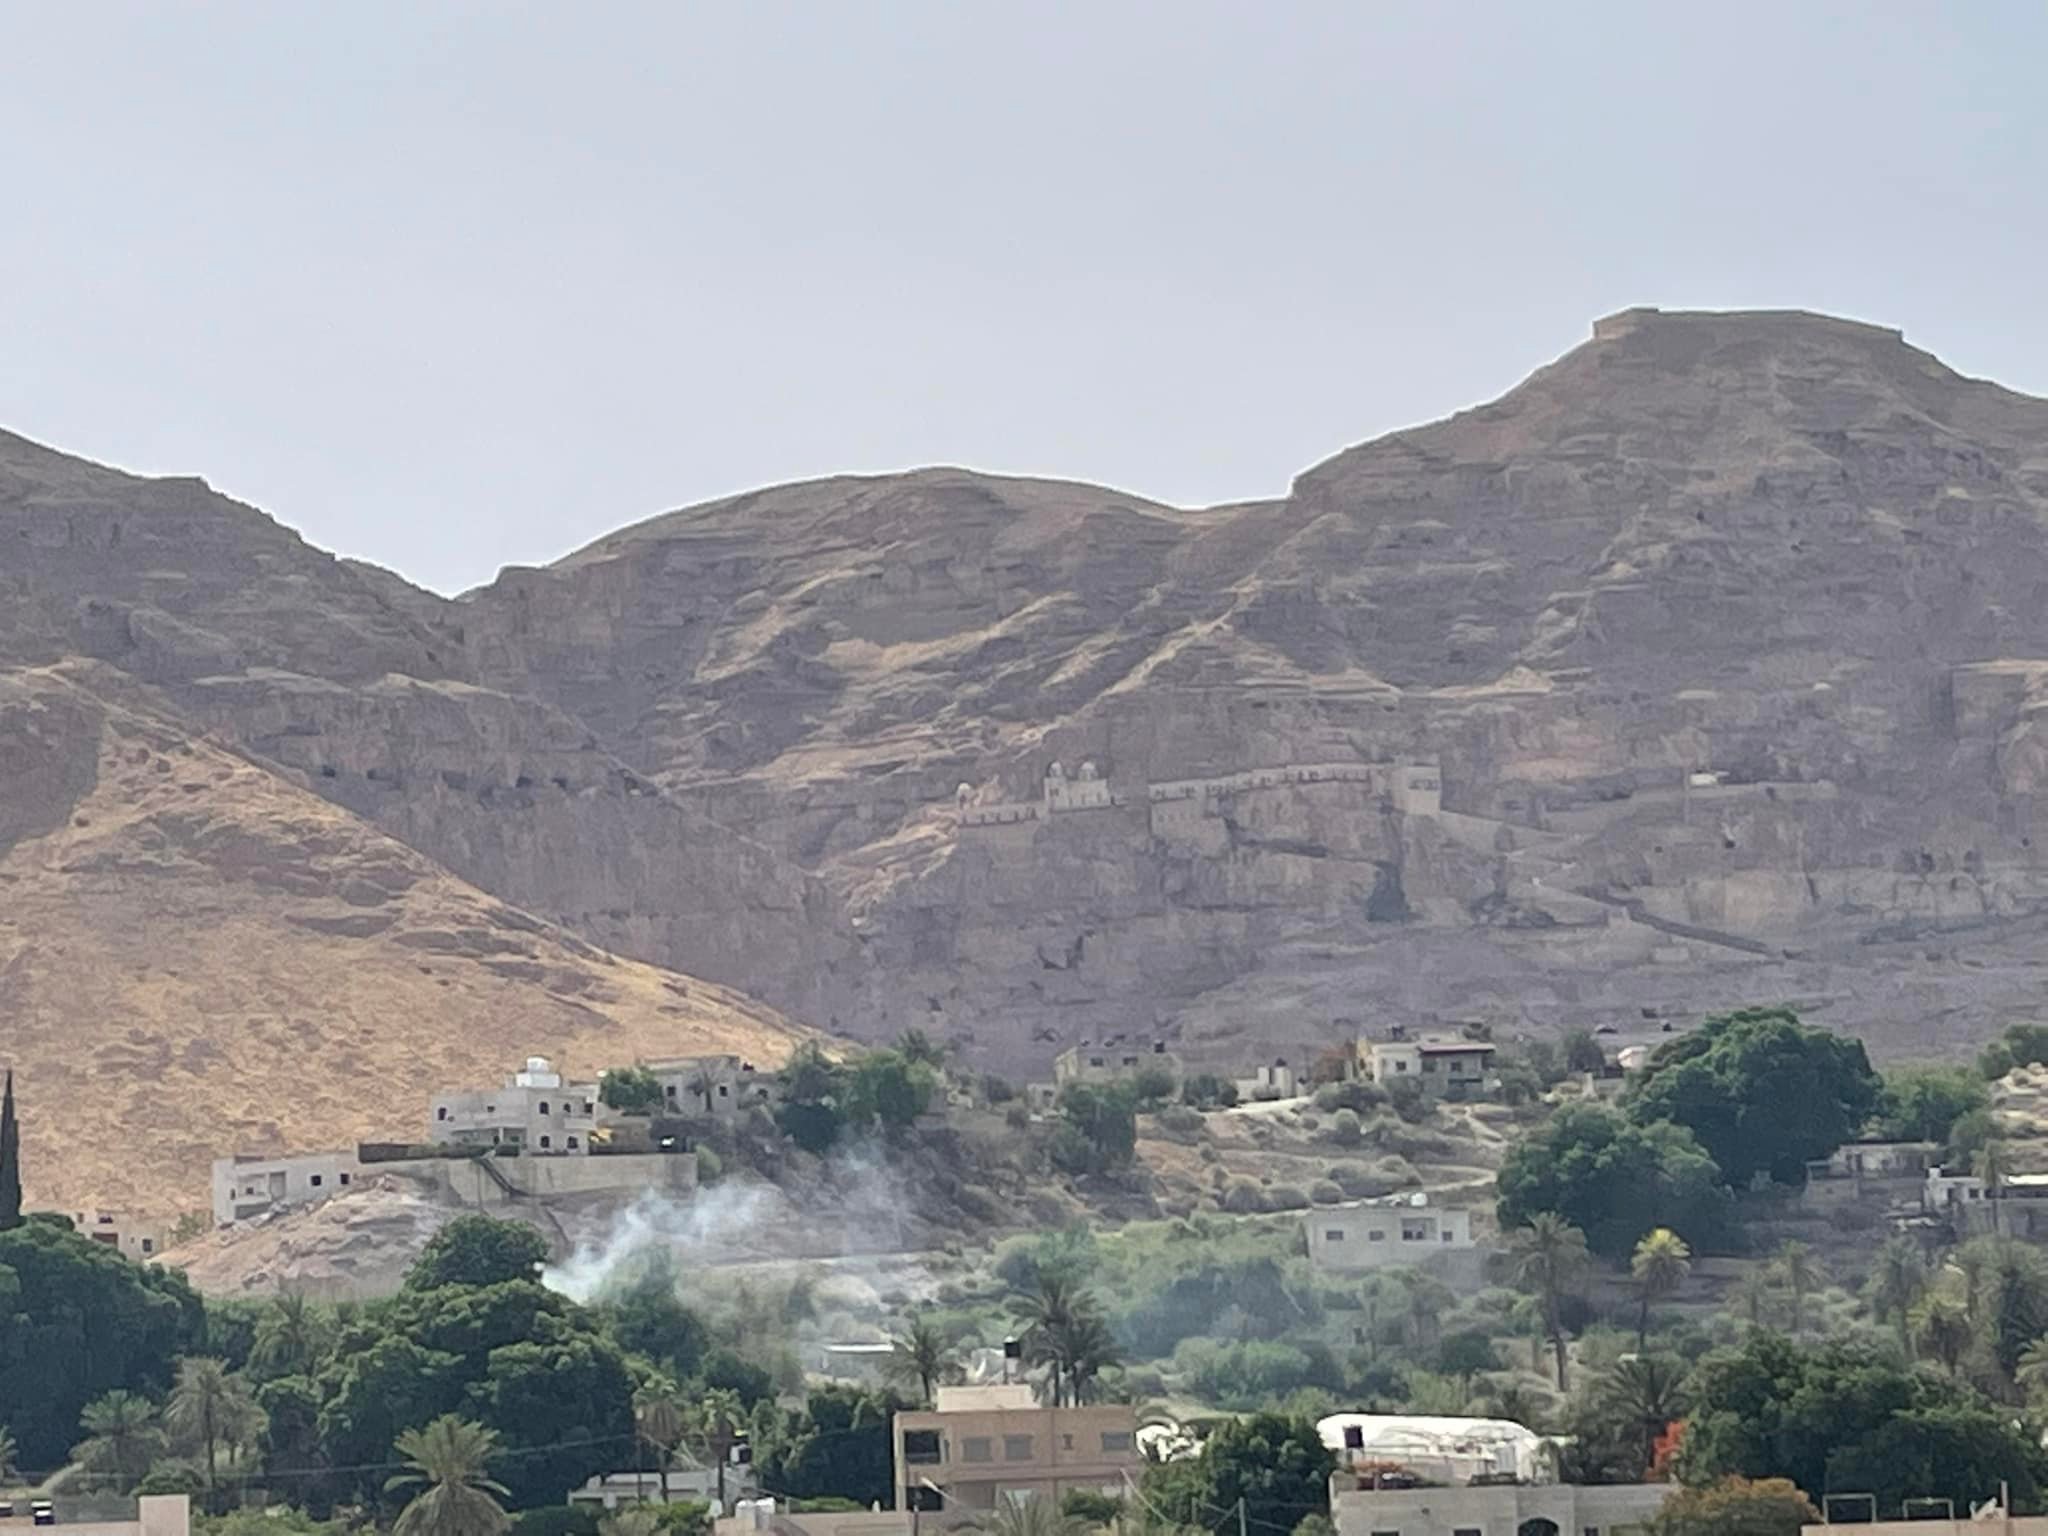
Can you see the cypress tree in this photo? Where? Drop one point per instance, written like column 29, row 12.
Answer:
column 10, row 1161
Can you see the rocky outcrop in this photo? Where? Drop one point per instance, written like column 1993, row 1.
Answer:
column 1723, row 635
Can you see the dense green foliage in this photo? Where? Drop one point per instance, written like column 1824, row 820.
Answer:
column 1276, row 1463
column 824, row 1100
column 2022, row 1045
column 10, row 1161
column 77, row 1320
column 1762, row 1092
column 1615, row 1179
column 1736, row 1506
column 630, row 1090
column 1840, row 1416
column 1098, row 1130
column 836, row 1446
column 478, row 1250
column 1924, row 1103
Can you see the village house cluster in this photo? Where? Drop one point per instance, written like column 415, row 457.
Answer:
column 535, row 1133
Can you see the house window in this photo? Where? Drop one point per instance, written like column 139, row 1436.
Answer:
column 572, row 1145
column 149, row 1245
column 441, row 1112
column 1429, row 1063
column 1468, row 1530
column 586, row 1106
column 1017, row 1447
column 1116, row 1442
column 1333, row 1235
column 1130, row 1061
column 546, row 1141
column 1095, row 1061
column 314, row 1181
column 921, row 1447
column 1400, row 1066
column 1447, row 1237
column 1066, row 1442
column 344, row 1178
column 975, row 1448
column 1591, row 1530
column 670, row 1090
column 1376, row 1235
column 1386, row 1533
column 724, row 1091
column 1414, row 1231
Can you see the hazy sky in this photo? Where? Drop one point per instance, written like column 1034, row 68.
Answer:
column 450, row 286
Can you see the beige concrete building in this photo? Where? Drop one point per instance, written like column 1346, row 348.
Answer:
column 1511, row 1509
column 156, row 1515
column 979, row 1446
column 713, row 1085
column 1449, row 1069
column 1112, row 1061
column 248, row 1187
column 534, row 1110
column 137, row 1240
column 1379, row 1234
column 1988, row 1519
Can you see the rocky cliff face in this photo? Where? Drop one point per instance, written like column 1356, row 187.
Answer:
column 1722, row 636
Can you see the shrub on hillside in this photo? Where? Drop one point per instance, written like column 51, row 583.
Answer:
column 1325, row 1192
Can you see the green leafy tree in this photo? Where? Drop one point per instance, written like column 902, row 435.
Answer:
column 123, row 1438
column 1940, row 1328
column 1099, row 1128
column 478, row 1251
column 78, row 1320
column 1094, row 1509
column 1276, row 1464
column 1736, row 1506
column 2013, row 1297
column 10, row 1161
column 814, row 1093
column 1615, row 1180
column 719, row 1417
column 2022, row 1045
column 889, row 1089
column 1582, row 1052
column 837, row 1443
column 213, row 1413
column 1548, row 1259
column 1754, row 1297
column 632, row 1091
column 1839, row 1415
column 1924, row 1103
column 1659, row 1267
column 447, row 1460
column 1205, row 1090
column 1762, row 1092
column 647, row 1316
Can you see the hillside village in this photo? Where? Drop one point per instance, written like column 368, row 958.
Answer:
column 1484, row 1282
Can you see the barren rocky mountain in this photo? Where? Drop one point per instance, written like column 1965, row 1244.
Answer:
column 198, row 957
column 1722, row 639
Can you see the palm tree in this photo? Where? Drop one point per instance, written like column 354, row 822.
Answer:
column 1087, row 1349
column 1992, row 1164
column 122, row 1439
column 1517, row 1402
column 718, row 1417
column 1895, row 1285
column 211, row 1408
column 1028, row 1517
column 1660, row 1265
column 702, row 1085
column 445, row 1460
column 1054, row 1313
column 1548, row 1258
column 1803, row 1274
column 1649, row 1391
column 291, row 1337
column 1941, row 1328
column 660, row 1415
column 8, row 1452
column 1755, row 1295
column 921, row 1355
column 2032, row 1371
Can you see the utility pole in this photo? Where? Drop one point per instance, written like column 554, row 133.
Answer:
column 1241, row 1519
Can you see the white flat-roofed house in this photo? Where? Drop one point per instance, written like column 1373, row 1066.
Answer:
column 534, row 1110
column 1379, row 1234
column 245, row 1187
